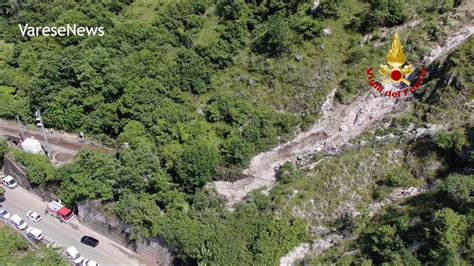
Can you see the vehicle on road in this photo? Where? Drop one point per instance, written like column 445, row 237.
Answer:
column 9, row 182
column 90, row 263
column 2, row 193
column 90, row 241
column 57, row 210
column 35, row 233
column 18, row 222
column 35, row 217
column 73, row 255
column 4, row 214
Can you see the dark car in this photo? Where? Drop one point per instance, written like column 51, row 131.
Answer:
column 90, row 241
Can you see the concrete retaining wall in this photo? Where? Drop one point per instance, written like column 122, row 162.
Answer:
column 92, row 215
column 15, row 169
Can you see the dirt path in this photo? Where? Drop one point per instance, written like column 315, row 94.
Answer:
column 63, row 145
column 338, row 125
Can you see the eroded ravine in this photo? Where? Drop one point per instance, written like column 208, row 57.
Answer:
column 338, row 125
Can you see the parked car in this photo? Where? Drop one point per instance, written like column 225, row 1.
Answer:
column 35, row 217
column 4, row 214
column 73, row 255
column 9, row 182
column 18, row 222
column 35, row 233
column 90, row 241
column 90, row 263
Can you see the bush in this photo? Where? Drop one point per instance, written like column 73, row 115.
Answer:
column 455, row 140
column 275, row 37
column 196, row 166
column 3, row 149
column 347, row 89
column 460, row 190
column 229, row 9
column 306, row 26
column 38, row 167
column 328, row 9
column 400, row 177
column 287, row 173
column 381, row 13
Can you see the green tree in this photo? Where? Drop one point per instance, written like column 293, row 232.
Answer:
column 275, row 36
column 447, row 233
column 460, row 189
column 236, row 151
column 229, row 9
column 38, row 167
column 140, row 211
column 385, row 244
column 328, row 9
column 381, row 13
column 92, row 175
column 196, row 165
column 193, row 73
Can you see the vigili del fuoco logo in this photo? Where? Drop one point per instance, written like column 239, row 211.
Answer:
column 396, row 73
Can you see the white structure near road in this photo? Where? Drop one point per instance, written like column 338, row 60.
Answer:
column 32, row 145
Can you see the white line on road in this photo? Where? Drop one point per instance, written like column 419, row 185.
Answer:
column 108, row 252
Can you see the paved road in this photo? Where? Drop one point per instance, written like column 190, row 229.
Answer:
column 108, row 252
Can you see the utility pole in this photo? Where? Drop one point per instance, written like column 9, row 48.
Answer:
column 20, row 125
column 39, row 122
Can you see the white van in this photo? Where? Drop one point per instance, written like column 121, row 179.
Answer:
column 9, row 182
column 73, row 255
column 35, row 233
column 90, row 263
column 18, row 222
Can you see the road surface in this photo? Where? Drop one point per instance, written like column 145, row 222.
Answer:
column 108, row 252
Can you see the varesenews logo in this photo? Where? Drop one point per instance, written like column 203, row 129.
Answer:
column 62, row 31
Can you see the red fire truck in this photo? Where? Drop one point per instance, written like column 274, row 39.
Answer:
column 57, row 210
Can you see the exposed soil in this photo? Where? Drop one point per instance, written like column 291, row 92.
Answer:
column 338, row 125
column 63, row 146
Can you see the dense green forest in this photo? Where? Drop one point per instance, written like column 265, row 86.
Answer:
column 194, row 88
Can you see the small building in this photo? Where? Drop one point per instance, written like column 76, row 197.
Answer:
column 32, row 145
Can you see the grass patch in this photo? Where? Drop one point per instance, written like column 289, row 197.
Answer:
column 6, row 90
column 343, row 183
column 143, row 10
column 5, row 51
column 209, row 32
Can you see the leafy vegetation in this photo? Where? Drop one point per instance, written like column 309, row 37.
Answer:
column 3, row 149
column 190, row 90
column 436, row 227
column 381, row 13
column 38, row 167
column 15, row 251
